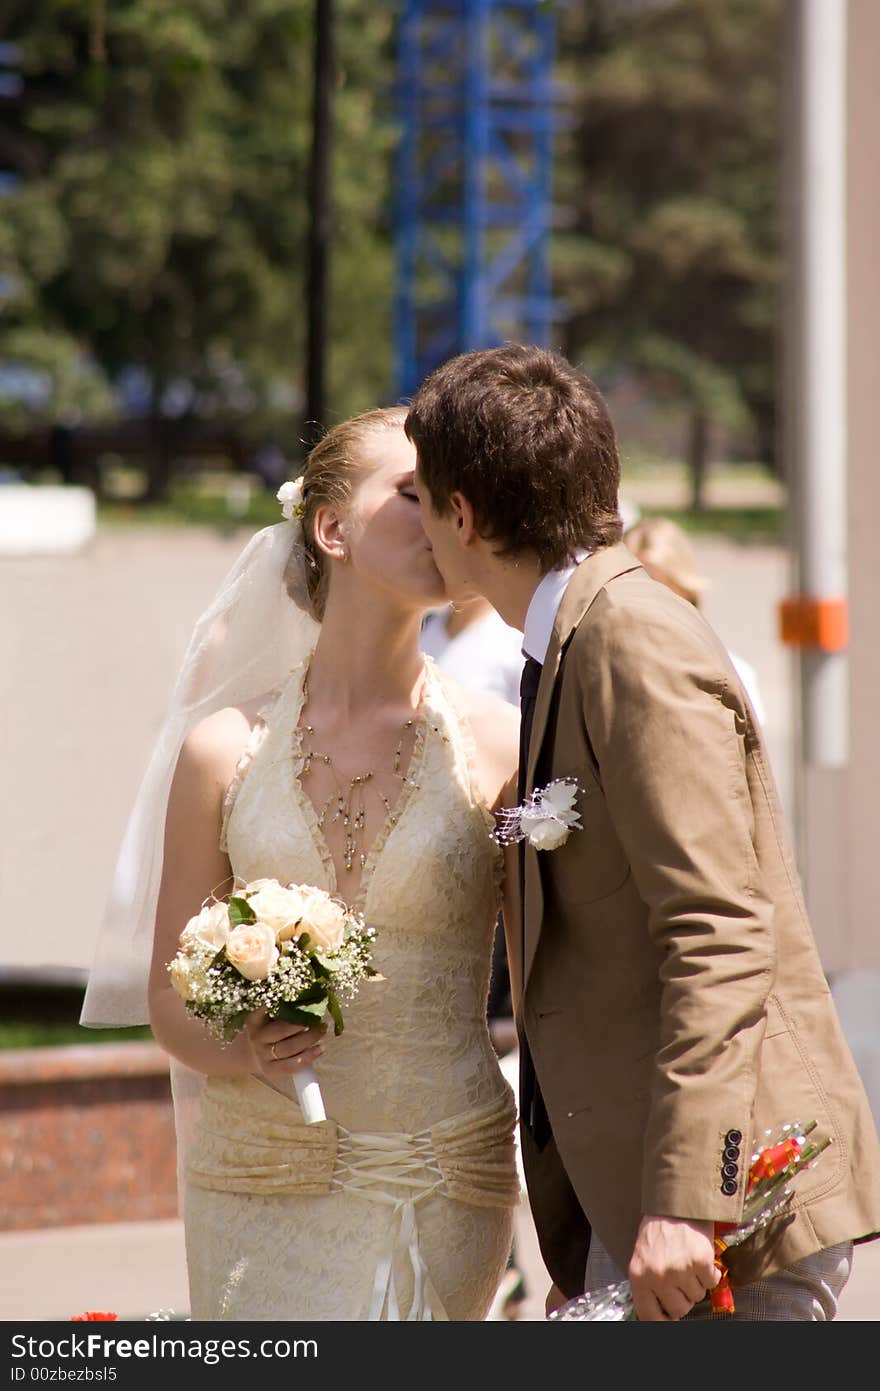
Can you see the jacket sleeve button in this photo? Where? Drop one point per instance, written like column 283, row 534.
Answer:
column 733, row 1137
column 728, row 1187
column 729, row 1170
column 731, row 1153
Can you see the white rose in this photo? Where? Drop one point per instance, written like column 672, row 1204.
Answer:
column 290, row 495
column 251, row 949
column 324, row 921
column 279, row 907
column 182, row 972
column 544, row 832
column 209, row 928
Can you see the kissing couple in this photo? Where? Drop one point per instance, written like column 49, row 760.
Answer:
column 670, row 1001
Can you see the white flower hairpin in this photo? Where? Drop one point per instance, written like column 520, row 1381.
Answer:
column 546, row 819
column 290, row 495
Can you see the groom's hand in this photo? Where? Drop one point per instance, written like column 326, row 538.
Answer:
column 672, row 1267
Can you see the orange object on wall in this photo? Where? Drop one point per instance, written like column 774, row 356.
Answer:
column 819, row 623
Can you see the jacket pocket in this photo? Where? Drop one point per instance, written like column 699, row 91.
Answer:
column 592, row 863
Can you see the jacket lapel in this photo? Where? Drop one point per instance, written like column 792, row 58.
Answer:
column 592, row 574
column 589, row 578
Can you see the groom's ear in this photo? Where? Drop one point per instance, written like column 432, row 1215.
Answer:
column 463, row 518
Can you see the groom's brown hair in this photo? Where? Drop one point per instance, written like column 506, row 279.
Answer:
column 528, row 440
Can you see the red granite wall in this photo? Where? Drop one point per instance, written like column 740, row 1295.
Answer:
column 86, row 1135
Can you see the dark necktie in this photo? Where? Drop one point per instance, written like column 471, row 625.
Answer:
column 528, row 694
column 528, row 691
column 532, row 1106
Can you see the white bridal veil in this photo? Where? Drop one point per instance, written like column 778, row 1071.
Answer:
column 255, row 630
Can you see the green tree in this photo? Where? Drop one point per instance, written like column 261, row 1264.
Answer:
column 672, row 263
column 161, row 217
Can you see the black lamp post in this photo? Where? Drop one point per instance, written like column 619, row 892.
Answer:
column 319, row 221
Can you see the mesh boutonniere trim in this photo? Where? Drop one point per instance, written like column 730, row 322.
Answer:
column 545, row 819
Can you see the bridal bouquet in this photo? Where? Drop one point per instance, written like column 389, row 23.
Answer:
column 290, row 949
column 782, row 1155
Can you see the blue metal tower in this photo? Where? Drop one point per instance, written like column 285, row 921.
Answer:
column 476, row 105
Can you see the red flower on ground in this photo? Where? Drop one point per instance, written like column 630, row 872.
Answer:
column 91, row 1317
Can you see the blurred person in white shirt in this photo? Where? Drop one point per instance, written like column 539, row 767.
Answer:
column 470, row 641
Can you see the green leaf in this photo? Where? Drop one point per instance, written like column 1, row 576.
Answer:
column 240, row 911
column 318, row 991
column 307, row 1014
column 335, row 1013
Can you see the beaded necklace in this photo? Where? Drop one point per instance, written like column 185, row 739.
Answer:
column 348, row 804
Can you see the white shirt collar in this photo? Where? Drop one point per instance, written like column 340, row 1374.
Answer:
column 542, row 611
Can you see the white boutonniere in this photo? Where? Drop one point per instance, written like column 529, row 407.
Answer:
column 290, row 495
column 545, row 820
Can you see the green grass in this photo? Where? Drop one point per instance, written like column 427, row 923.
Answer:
column 53, row 1033
column 638, row 464
column 201, row 499
column 191, row 502
column 745, row 502
column 764, row 525
column 755, row 525
column 49, row 1018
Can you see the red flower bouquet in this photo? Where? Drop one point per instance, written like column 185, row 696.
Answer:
column 777, row 1158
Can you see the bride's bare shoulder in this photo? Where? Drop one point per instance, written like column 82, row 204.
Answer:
column 215, row 744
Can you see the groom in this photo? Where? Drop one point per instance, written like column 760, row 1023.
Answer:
column 670, row 1000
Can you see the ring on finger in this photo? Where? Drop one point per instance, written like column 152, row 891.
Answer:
column 275, row 1057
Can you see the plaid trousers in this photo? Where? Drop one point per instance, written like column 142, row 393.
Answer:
column 806, row 1291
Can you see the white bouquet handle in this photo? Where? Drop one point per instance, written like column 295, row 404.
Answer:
column 308, row 1092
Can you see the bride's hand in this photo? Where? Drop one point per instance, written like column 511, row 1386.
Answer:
column 279, row 1048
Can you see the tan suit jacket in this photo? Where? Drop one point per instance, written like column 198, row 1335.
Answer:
column 672, row 991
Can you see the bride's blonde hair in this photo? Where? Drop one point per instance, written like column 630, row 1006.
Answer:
column 333, row 469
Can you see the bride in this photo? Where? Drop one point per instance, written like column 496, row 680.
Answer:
column 360, row 769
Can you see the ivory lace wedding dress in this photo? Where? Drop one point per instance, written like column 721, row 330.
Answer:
column 399, row 1205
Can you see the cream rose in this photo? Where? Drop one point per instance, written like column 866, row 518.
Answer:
column 251, row 949
column 324, row 921
column 209, row 928
column 279, row 907
column 182, row 973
